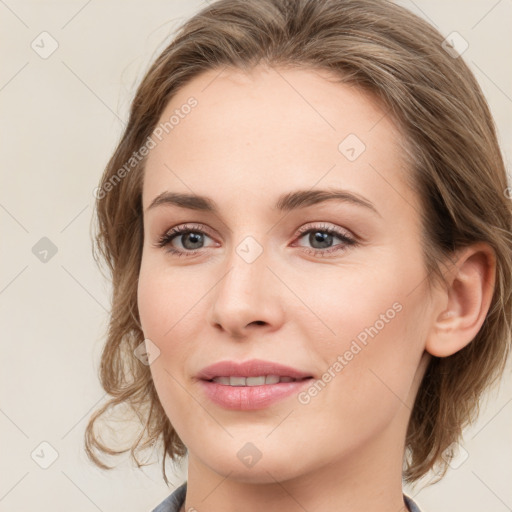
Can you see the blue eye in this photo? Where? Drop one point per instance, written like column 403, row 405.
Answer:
column 192, row 239
column 322, row 237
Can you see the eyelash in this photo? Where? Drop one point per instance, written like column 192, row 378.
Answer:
column 166, row 239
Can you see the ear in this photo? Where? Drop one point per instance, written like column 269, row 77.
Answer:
column 464, row 303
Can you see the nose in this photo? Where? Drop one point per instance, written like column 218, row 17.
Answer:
column 247, row 298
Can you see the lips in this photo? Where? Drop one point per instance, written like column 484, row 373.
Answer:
column 251, row 385
column 252, row 368
column 252, row 381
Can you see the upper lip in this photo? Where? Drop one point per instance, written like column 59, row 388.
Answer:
column 252, row 368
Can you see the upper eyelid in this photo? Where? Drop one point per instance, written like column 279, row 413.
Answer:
column 300, row 232
column 321, row 226
column 348, row 240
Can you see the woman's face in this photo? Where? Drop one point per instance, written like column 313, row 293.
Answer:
column 333, row 288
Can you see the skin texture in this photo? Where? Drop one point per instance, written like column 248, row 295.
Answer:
column 251, row 138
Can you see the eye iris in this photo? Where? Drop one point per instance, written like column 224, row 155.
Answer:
column 197, row 239
column 320, row 236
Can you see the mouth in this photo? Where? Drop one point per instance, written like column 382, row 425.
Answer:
column 255, row 381
column 251, row 393
column 255, row 372
column 251, row 385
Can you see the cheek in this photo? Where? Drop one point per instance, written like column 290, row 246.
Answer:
column 148, row 298
column 167, row 302
column 160, row 308
column 376, row 327
column 367, row 381
column 159, row 311
column 348, row 300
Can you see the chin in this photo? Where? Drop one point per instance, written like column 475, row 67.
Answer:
column 248, row 465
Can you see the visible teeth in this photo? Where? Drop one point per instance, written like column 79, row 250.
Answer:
column 252, row 381
column 255, row 381
column 237, row 381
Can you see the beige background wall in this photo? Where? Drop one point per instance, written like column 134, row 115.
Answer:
column 61, row 118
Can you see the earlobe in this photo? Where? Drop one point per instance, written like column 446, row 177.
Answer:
column 464, row 304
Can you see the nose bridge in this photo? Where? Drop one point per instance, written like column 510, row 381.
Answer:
column 245, row 295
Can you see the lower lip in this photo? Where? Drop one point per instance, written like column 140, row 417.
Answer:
column 246, row 398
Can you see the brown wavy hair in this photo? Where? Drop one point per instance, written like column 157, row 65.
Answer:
column 456, row 168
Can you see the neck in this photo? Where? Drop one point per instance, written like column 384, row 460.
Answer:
column 368, row 478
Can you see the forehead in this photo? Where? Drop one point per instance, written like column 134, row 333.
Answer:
column 250, row 133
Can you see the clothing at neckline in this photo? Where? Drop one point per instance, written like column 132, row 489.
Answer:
column 174, row 501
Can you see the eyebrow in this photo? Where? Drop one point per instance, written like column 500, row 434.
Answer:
column 285, row 203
